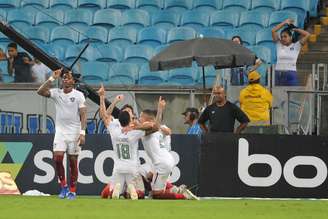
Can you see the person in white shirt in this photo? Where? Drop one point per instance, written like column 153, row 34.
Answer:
column 288, row 50
column 40, row 71
column 71, row 118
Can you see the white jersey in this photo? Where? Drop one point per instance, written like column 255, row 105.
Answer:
column 287, row 56
column 165, row 140
column 67, row 110
column 125, row 146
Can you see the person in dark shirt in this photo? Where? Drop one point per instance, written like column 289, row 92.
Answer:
column 222, row 114
column 19, row 63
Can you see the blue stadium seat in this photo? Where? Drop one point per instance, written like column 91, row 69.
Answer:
column 299, row 7
column 151, row 6
column 166, row 20
column 63, row 5
column 121, row 4
column 237, row 6
column 49, row 19
column 93, row 4
column 279, row 16
column 135, row 18
column 122, row 36
column 4, row 39
column 195, row 19
column 207, row 5
column 160, row 48
column 263, row 53
column 123, row 73
column 264, row 38
column 90, row 54
column 138, row 53
column 57, row 50
column 33, row 124
column 210, row 76
column 64, row 36
column 79, row 19
column 266, row 6
column 3, row 67
column 9, row 3
column 3, row 15
column 108, row 18
column 108, row 53
column 247, row 36
column 180, row 34
column 183, row 76
column 224, row 19
column 20, row 18
column 95, row 72
column 18, row 123
column 212, row 32
column 314, row 8
column 147, row 77
column 178, row 6
column 95, row 35
column 254, row 20
column 34, row 5
column 152, row 36
column 38, row 34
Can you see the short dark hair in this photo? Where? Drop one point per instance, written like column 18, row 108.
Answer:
column 124, row 118
column 288, row 31
column 150, row 112
column 237, row 37
column 12, row 45
column 127, row 106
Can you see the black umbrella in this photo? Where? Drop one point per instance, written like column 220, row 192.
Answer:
column 220, row 53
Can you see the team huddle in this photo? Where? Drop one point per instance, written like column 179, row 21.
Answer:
column 130, row 178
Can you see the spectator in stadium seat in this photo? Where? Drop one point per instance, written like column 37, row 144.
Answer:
column 19, row 64
column 288, row 49
column 256, row 101
column 222, row 114
column 191, row 116
column 40, row 71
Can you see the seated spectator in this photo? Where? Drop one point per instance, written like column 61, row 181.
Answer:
column 191, row 118
column 40, row 71
column 256, row 101
column 222, row 115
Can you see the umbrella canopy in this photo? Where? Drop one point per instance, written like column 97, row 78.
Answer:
column 205, row 51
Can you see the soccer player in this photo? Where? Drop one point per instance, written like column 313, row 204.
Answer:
column 125, row 144
column 71, row 118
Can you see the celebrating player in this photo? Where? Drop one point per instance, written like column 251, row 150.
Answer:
column 70, row 127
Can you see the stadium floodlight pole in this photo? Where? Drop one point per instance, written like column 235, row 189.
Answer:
column 52, row 62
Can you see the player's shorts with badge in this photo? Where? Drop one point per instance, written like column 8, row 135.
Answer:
column 67, row 143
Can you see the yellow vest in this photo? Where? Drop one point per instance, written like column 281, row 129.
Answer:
column 256, row 101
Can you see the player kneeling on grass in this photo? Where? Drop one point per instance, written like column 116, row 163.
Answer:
column 125, row 143
column 70, row 127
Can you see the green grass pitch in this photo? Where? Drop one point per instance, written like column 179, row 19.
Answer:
column 93, row 207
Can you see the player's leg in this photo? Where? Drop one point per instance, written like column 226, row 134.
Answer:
column 159, row 188
column 182, row 189
column 130, row 180
column 73, row 150
column 107, row 191
column 140, row 187
column 118, row 182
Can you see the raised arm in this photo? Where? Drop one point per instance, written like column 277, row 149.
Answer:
column 160, row 109
column 304, row 34
column 275, row 36
column 44, row 89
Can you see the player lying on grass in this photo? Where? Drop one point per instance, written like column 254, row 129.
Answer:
column 125, row 144
column 70, row 123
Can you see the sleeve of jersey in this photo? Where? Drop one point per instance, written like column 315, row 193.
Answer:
column 82, row 102
column 53, row 93
column 298, row 46
column 137, row 134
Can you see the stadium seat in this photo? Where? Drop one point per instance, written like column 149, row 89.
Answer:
column 151, row 36
column 180, row 34
column 33, row 124
column 237, row 6
column 107, row 18
column 266, row 6
column 123, row 73
column 121, row 4
column 224, row 19
column 38, row 34
column 10, row 3
column 63, row 5
column 20, row 18
column 79, row 19
column 92, row 4
column 3, row 15
column 122, row 36
column 94, row 35
column 207, row 5
column 57, row 50
column 94, row 72
column 49, row 19
column 183, row 76
column 18, row 123
column 299, row 7
column 135, row 18
column 64, row 36
column 254, row 20
column 166, row 20
column 34, row 4
column 210, row 76
column 138, row 53
column 90, row 54
column 151, row 6
column 160, row 48
column 195, row 19
column 314, row 8
column 279, row 16
column 147, row 77
column 108, row 53
column 263, row 53
column 211, row 32
column 4, row 39
column 264, row 38
column 247, row 36
column 178, row 6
